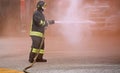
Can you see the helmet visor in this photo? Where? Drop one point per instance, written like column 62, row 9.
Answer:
column 44, row 6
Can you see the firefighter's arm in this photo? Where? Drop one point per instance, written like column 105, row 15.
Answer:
column 50, row 22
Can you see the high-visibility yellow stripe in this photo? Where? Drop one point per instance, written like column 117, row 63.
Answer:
column 41, row 51
column 42, row 22
column 35, row 33
column 34, row 50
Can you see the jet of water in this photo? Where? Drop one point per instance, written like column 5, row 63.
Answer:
column 75, row 22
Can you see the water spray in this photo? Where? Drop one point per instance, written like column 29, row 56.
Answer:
column 75, row 22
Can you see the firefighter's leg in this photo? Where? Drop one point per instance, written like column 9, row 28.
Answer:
column 34, row 48
column 41, row 53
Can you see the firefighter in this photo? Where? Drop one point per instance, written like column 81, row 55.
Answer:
column 39, row 23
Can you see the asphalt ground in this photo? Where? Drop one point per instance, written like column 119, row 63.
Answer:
column 88, row 56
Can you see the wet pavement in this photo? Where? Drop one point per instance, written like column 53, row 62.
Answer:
column 88, row 55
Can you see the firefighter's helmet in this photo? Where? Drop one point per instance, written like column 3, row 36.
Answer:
column 41, row 5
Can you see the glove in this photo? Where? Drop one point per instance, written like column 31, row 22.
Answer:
column 51, row 22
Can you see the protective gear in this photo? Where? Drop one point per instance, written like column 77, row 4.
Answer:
column 51, row 22
column 38, row 27
column 36, row 43
column 38, row 24
column 41, row 5
column 40, row 58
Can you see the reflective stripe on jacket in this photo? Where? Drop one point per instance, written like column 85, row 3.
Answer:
column 38, row 34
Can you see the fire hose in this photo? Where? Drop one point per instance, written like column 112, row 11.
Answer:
column 31, row 65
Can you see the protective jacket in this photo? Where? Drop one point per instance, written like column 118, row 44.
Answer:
column 38, row 24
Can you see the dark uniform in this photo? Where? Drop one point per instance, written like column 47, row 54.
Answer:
column 37, row 33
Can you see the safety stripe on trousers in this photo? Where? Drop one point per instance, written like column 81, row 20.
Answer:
column 34, row 50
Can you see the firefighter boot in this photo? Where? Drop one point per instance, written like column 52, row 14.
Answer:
column 40, row 58
column 31, row 57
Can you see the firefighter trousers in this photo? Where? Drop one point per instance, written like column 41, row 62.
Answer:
column 36, row 44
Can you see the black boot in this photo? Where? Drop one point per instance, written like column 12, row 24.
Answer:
column 40, row 58
column 31, row 57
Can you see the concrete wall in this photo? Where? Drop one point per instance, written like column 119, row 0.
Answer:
column 10, row 22
column 9, row 17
